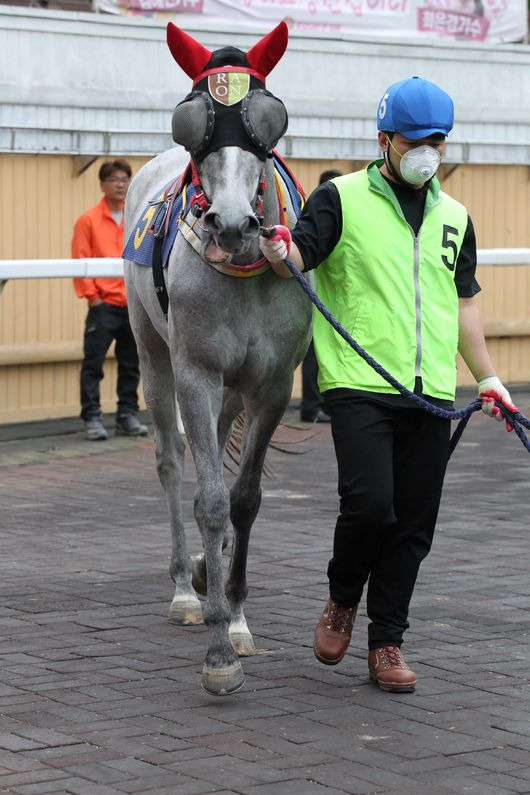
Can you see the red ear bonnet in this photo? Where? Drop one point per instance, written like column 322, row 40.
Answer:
column 266, row 53
column 191, row 56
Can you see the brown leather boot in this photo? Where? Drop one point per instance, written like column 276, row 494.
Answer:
column 390, row 671
column 333, row 633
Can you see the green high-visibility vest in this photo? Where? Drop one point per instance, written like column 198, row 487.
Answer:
column 392, row 291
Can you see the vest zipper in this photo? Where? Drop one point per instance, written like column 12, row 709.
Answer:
column 417, row 293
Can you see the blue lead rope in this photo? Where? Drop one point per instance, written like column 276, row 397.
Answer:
column 516, row 419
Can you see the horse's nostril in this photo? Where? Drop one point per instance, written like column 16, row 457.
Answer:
column 249, row 226
column 213, row 222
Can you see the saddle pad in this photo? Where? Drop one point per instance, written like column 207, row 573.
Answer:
column 294, row 189
column 139, row 248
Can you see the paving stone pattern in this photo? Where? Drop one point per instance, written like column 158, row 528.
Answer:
column 99, row 695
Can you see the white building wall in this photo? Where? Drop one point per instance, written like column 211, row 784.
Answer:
column 94, row 84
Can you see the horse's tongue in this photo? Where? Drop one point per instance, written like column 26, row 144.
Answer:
column 215, row 253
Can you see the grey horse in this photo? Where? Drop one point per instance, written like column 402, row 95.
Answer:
column 228, row 344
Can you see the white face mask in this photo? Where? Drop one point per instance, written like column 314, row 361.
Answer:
column 419, row 165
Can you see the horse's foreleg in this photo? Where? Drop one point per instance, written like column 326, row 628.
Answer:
column 201, row 405
column 245, row 499
column 232, row 406
column 222, row 672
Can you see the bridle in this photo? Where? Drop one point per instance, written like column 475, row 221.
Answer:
column 200, row 204
column 206, row 120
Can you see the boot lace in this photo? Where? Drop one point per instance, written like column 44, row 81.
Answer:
column 391, row 657
column 339, row 618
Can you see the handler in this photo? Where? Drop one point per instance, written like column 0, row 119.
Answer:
column 397, row 260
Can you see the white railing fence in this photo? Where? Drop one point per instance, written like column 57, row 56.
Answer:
column 502, row 256
column 107, row 267
column 59, row 269
column 65, row 268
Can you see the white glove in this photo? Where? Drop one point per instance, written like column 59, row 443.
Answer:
column 491, row 389
column 277, row 247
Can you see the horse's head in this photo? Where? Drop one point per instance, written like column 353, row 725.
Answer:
column 229, row 124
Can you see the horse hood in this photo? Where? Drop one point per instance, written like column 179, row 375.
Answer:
column 207, row 119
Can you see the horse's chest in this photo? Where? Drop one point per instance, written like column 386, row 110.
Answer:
column 240, row 327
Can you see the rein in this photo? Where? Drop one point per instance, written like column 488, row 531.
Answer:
column 517, row 419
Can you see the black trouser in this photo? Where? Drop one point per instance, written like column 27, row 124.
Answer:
column 105, row 323
column 391, row 463
column 312, row 400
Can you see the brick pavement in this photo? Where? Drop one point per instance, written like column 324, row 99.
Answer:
column 100, row 695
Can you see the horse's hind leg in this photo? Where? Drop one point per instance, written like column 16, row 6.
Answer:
column 159, row 392
column 245, row 500
column 185, row 607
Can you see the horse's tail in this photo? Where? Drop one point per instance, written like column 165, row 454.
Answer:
column 232, row 458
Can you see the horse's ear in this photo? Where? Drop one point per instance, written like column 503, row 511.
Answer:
column 266, row 53
column 191, row 56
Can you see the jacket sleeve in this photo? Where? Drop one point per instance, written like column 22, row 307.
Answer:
column 466, row 264
column 319, row 228
column 81, row 249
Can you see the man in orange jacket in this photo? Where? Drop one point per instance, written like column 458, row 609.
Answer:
column 99, row 233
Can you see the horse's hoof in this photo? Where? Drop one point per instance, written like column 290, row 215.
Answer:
column 185, row 611
column 242, row 643
column 198, row 575
column 222, row 681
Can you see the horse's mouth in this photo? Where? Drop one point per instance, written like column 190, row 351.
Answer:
column 212, row 251
column 215, row 254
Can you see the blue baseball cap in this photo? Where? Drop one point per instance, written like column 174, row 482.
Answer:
column 416, row 108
